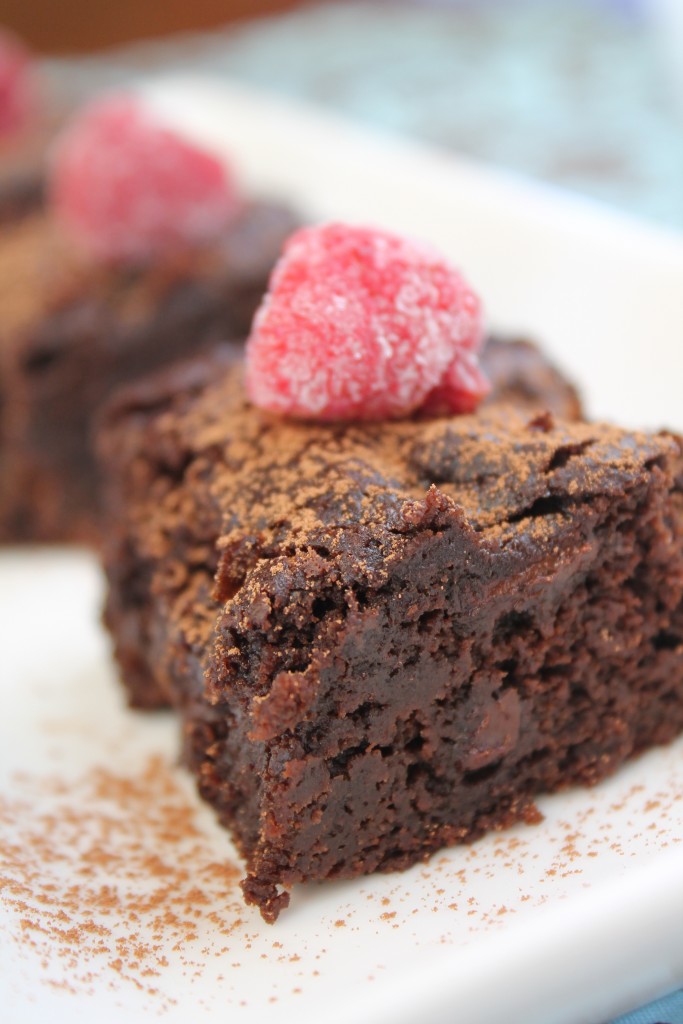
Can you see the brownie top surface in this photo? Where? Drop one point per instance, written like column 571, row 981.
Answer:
column 508, row 477
column 41, row 273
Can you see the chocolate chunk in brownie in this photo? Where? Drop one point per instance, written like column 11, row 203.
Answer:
column 387, row 638
column 71, row 333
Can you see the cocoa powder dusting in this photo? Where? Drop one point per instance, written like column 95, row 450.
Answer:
column 90, row 867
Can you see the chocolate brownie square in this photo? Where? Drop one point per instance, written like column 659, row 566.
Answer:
column 388, row 638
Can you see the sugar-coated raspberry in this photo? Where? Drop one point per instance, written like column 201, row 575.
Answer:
column 17, row 86
column 362, row 324
column 127, row 187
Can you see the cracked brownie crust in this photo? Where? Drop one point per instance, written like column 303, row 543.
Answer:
column 389, row 638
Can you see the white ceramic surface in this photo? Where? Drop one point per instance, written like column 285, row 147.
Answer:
column 114, row 903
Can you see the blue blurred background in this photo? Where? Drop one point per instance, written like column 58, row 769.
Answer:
column 585, row 94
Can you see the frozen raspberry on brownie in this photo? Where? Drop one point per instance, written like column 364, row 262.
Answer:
column 362, row 324
column 127, row 187
column 18, row 91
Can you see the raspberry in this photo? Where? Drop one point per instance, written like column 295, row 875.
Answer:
column 17, row 86
column 360, row 324
column 127, row 187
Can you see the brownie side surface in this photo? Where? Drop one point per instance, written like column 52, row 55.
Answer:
column 71, row 334
column 146, row 462
column 404, row 632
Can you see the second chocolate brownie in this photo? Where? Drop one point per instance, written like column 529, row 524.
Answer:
column 72, row 333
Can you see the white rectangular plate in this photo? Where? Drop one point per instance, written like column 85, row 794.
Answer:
column 119, row 893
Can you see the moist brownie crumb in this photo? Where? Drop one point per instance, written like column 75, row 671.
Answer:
column 388, row 638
